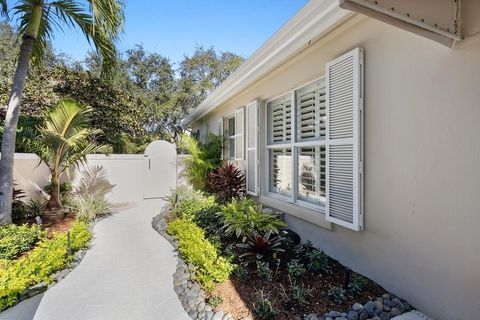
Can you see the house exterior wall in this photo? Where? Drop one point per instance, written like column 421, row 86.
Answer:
column 422, row 151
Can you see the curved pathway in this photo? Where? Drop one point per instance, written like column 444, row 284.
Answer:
column 127, row 274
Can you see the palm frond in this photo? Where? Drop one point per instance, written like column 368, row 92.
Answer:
column 3, row 8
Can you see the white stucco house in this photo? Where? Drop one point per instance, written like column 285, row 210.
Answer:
column 360, row 120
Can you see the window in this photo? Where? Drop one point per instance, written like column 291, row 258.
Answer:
column 296, row 144
column 235, row 139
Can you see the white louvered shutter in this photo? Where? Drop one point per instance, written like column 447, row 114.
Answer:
column 344, row 135
column 252, row 148
column 280, row 123
column 239, row 133
column 221, row 135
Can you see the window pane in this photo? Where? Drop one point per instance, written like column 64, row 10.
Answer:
column 280, row 120
column 281, row 171
column 231, row 147
column 311, row 174
column 231, row 126
column 310, row 108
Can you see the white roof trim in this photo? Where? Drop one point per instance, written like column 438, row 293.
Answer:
column 312, row 22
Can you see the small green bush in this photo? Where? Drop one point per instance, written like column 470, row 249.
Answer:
column 15, row 240
column 49, row 256
column 295, row 269
column 264, row 308
column 337, row 294
column 198, row 251
column 89, row 207
column 205, row 157
column 318, row 261
column 357, row 284
column 243, row 217
column 188, row 204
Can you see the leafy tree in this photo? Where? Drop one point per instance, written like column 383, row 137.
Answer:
column 101, row 23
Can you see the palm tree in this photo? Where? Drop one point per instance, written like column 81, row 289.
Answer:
column 100, row 21
column 63, row 142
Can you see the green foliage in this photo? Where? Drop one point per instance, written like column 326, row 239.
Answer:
column 264, row 308
column 295, row 269
column 337, row 294
column 91, row 207
column 240, row 272
column 49, row 256
column 318, row 261
column 263, row 271
column 15, row 240
column 301, row 294
column 188, row 204
column 215, row 301
column 357, row 284
column 205, row 157
column 197, row 250
column 29, row 210
column 242, row 217
column 261, row 246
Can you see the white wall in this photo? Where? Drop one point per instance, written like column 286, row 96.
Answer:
column 422, row 158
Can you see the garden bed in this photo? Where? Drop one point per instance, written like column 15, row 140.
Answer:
column 285, row 279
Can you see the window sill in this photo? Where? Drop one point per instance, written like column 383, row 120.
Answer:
column 314, row 216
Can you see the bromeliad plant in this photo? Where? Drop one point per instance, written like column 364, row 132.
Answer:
column 227, row 183
column 64, row 141
column 261, row 246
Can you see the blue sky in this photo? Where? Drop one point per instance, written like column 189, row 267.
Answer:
column 175, row 27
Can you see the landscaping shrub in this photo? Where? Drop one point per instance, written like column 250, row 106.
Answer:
column 187, row 203
column 227, row 182
column 15, row 240
column 18, row 207
column 264, row 308
column 89, row 207
column 318, row 261
column 205, row 157
column 337, row 294
column 301, row 294
column 49, row 256
column 261, row 246
column 198, row 251
column 295, row 269
column 242, row 217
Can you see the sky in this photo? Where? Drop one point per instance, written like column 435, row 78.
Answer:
column 174, row 28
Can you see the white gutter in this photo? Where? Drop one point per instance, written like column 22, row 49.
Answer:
column 312, row 22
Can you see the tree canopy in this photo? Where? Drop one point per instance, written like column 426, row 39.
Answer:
column 145, row 97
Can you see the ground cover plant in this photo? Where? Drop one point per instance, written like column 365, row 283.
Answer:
column 48, row 256
column 275, row 276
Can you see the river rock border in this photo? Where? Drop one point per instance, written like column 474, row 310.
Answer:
column 386, row 307
column 190, row 293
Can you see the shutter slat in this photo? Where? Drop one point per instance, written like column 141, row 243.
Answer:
column 344, row 180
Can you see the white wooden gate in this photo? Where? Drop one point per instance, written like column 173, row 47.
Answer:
column 160, row 169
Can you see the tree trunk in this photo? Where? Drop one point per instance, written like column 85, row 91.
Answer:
column 54, row 203
column 10, row 131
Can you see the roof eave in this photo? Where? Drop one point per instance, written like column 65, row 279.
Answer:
column 311, row 23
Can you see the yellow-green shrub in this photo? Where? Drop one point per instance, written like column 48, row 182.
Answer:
column 15, row 240
column 49, row 256
column 198, row 251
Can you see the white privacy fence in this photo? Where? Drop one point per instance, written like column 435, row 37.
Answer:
column 135, row 176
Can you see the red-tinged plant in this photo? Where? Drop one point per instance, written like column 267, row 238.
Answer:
column 262, row 246
column 227, row 182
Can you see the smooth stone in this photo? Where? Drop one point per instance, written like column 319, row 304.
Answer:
column 352, row 315
column 228, row 317
column 341, row 318
column 369, row 307
column 191, row 303
column 311, row 316
column 395, row 312
column 357, row 306
column 386, row 308
column 208, row 308
column 378, row 307
column 389, row 303
column 384, row 316
column 335, row 314
column 209, row 315
column 201, row 316
column 363, row 315
column 201, row 306
column 218, row 315
column 385, row 296
column 193, row 314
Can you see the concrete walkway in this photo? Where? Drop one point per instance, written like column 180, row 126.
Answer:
column 127, row 274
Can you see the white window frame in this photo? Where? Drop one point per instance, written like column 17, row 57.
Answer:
column 294, row 144
column 228, row 150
